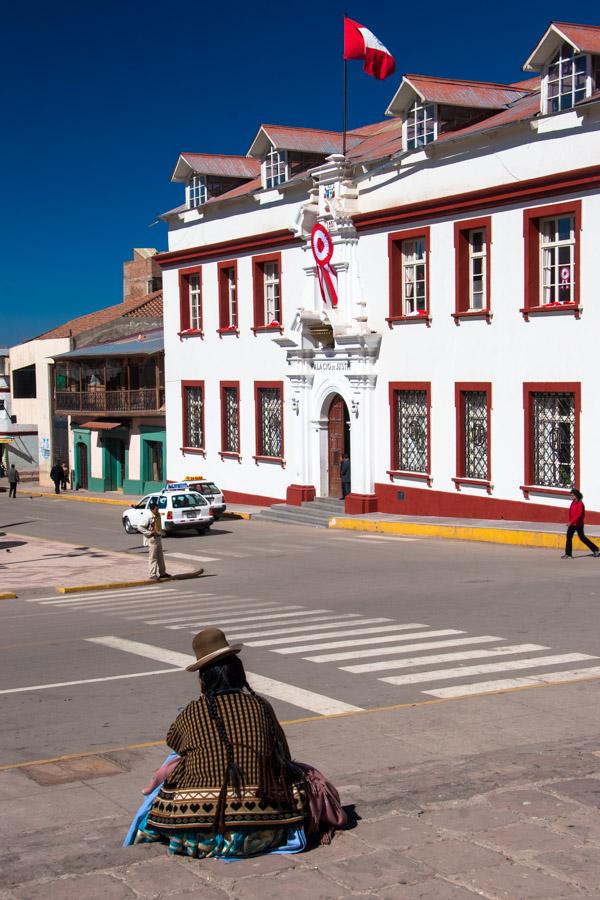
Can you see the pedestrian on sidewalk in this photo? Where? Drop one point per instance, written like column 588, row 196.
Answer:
column 13, row 480
column 345, row 475
column 56, row 475
column 576, row 520
column 151, row 527
column 65, row 477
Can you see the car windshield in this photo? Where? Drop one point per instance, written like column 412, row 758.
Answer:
column 206, row 487
column 187, row 501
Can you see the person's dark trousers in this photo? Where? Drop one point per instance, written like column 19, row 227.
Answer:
column 345, row 489
column 569, row 545
column 57, row 487
column 13, row 490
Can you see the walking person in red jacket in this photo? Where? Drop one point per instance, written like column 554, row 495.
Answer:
column 576, row 518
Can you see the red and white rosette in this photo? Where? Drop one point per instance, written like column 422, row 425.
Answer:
column 322, row 249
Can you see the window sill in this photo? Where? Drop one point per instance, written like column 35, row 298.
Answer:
column 550, row 309
column 272, row 459
column 473, row 482
column 418, row 476
column 228, row 454
column 486, row 314
column 199, row 451
column 190, row 332
column 424, row 317
column 262, row 329
column 230, row 329
column 536, row 489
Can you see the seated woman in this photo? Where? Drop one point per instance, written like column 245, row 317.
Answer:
column 234, row 791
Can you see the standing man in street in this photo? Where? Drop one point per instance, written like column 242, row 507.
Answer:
column 13, row 480
column 56, row 474
column 151, row 527
column 345, row 474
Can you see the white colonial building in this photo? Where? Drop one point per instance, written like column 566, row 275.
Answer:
column 428, row 303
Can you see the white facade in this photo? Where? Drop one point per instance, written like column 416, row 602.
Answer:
column 526, row 170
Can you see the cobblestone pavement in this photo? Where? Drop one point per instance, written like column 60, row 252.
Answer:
column 518, row 821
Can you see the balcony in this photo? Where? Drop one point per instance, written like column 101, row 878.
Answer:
column 99, row 400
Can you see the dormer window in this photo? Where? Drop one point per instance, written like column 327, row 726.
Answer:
column 197, row 193
column 567, row 80
column 420, row 125
column 275, row 168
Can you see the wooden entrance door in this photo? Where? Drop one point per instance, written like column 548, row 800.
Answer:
column 82, row 466
column 115, row 463
column 337, row 439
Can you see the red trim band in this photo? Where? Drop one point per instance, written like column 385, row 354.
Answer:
column 251, row 244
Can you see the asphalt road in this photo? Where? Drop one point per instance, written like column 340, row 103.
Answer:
column 325, row 612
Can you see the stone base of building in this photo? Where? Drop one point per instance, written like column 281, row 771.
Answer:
column 359, row 504
column 297, row 494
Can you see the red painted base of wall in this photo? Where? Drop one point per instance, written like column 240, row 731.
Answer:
column 358, row 504
column 422, row 502
column 300, row 493
column 250, row 499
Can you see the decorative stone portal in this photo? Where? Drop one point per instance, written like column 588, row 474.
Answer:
column 338, row 442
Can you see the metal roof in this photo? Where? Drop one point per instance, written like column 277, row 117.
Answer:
column 302, row 140
column 583, row 38
column 453, row 92
column 214, row 164
column 126, row 348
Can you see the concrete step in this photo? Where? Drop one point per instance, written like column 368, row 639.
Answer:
column 291, row 519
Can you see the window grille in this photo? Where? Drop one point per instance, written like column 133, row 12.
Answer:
column 553, row 427
column 194, row 409
column 272, row 292
column 231, row 430
column 566, row 82
column 475, row 427
column 420, row 125
column 197, row 192
column 275, row 168
column 557, row 260
column 414, row 299
column 270, row 423
column 195, row 298
column 477, row 269
column 412, row 438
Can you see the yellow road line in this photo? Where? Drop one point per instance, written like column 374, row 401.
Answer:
column 8, row 596
column 343, row 715
column 486, row 534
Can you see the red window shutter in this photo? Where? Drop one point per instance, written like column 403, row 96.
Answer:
column 395, row 261
column 184, row 302
column 258, row 285
column 462, row 271
column 223, row 299
column 532, row 262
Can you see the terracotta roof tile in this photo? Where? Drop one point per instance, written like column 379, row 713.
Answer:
column 148, row 306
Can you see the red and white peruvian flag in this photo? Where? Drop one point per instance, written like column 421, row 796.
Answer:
column 360, row 43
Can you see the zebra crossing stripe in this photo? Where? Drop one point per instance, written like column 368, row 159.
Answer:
column 219, row 621
column 467, row 671
column 406, row 648
column 331, row 634
column 413, row 635
column 99, row 596
column 440, row 658
column 505, row 684
column 327, row 621
column 232, row 606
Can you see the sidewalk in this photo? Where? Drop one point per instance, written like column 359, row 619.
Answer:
column 491, row 797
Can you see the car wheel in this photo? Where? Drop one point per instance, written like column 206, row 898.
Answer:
column 128, row 526
column 203, row 530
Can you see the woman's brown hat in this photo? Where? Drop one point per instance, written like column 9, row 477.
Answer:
column 210, row 644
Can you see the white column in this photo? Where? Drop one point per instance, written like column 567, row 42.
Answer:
column 301, row 469
column 361, row 433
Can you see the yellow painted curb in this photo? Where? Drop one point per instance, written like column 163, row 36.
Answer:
column 76, row 589
column 8, row 596
column 65, row 496
column 517, row 537
column 232, row 513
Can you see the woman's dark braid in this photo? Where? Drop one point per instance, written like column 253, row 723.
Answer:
column 233, row 775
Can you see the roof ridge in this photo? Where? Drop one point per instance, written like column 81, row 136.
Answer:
column 215, row 155
column 299, row 128
column 496, row 84
column 575, row 24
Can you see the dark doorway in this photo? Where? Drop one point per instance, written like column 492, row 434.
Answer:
column 81, row 456
column 338, row 442
column 115, row 464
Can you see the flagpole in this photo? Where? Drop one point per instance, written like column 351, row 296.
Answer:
column 345, row 93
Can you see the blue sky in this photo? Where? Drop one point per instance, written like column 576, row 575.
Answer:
column 98, row 100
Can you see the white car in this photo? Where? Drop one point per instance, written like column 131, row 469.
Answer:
column 178, row 510
column 209, row 491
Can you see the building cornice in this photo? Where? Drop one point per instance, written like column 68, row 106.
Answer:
column 499, row 195
column 251, row 244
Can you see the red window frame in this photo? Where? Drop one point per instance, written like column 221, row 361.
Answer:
column 553, row 387
column 258, row 291
column 184, row 418
column 258, row 457
column 396, row 310
column 395, row 386
column 185, row 329
column 460, row 388
column 531, row 236
column 225, row 324
column 461, row 268
column 223, row 452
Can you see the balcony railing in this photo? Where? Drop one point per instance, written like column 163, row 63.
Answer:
column 121, row 401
